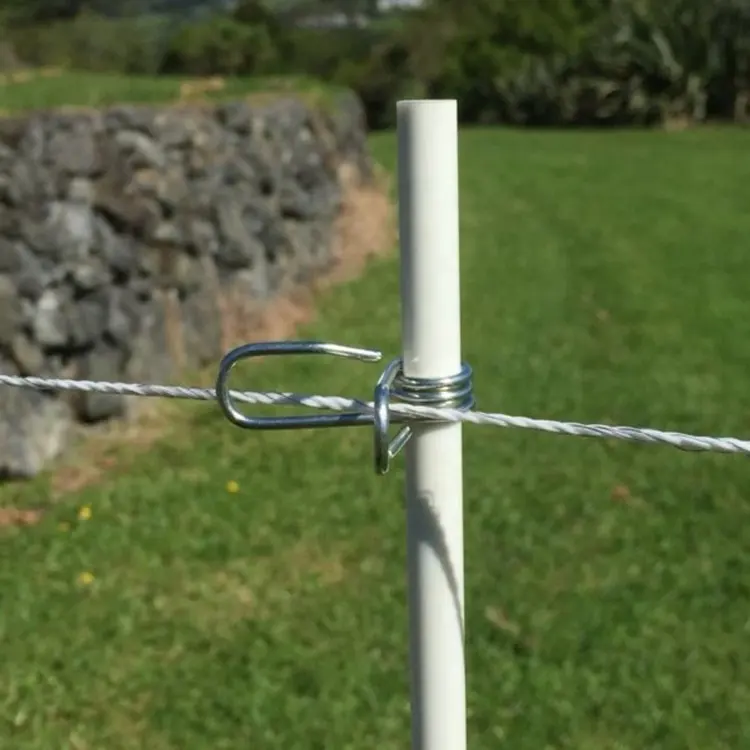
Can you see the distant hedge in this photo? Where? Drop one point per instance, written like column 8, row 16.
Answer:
column 530, row 62
column 93, row 43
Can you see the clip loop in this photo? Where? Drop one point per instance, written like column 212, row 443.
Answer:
column 295, row 422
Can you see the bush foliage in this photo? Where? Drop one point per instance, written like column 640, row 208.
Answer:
column 523, row 62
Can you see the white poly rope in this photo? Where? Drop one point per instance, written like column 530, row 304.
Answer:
column 337, row 403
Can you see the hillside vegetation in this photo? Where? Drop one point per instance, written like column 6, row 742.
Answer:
column 539, row 62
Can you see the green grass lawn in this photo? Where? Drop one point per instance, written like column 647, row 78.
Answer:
column 605, row 278
column 73, row 89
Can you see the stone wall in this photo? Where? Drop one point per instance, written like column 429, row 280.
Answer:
column 129, row 238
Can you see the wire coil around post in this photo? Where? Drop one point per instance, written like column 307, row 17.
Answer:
column 451, row 392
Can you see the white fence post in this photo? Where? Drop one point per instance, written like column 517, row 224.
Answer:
column 431, row 332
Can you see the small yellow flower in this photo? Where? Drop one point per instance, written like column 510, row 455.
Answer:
column 232, row 487
column 86, row 579
column 64, row 526
column 84, row 513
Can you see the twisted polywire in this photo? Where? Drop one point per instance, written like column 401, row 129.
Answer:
column 679, row 440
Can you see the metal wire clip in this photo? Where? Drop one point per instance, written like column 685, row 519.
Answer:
column 451, row 392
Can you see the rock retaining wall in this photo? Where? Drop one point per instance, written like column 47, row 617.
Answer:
column 128, row 237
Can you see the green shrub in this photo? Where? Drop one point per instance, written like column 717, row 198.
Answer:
column 381, row 80
column 585, row 62
column 90, row 42
column 220, row 46
column 321, row 52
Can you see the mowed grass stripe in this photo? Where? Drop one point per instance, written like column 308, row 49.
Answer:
column 607, row 587
column 51, row 88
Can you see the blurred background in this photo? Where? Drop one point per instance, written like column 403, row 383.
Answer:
column 535, row 62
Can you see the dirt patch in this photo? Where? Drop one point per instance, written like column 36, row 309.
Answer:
column 18, row 517
column 24, row 75
column 200, row 86
column 677, row 124
column 365, row 228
